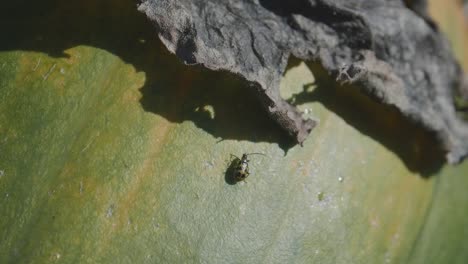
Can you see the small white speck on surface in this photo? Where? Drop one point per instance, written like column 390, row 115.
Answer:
column 242, row 209
column 91, row 141
column 209, row 164
column 306, row 111
column 62, row 70
column 37, row 64
column 45, row 76
column 110, row 211
column 340, row 179
column 2, row 172
column 155, row 224
column 81, row 187
column 387, row 257
column 7, row 195
column 57, row 255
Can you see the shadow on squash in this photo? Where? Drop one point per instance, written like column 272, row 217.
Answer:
column 216, row 102
column 418, row 148
column 172, row 90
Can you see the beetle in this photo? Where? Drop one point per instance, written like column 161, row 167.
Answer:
column 241, row 168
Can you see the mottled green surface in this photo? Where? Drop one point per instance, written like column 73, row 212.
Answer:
column 111, row 151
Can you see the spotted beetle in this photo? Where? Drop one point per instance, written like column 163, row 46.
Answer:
column 241, row 168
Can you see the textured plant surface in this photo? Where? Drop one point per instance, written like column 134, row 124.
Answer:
column 111, row 151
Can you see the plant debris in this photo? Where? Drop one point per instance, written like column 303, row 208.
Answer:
column 390, row 48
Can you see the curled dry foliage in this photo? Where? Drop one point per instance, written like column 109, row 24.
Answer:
column 389, row 48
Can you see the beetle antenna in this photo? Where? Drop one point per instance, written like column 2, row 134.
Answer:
column 255, row 153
